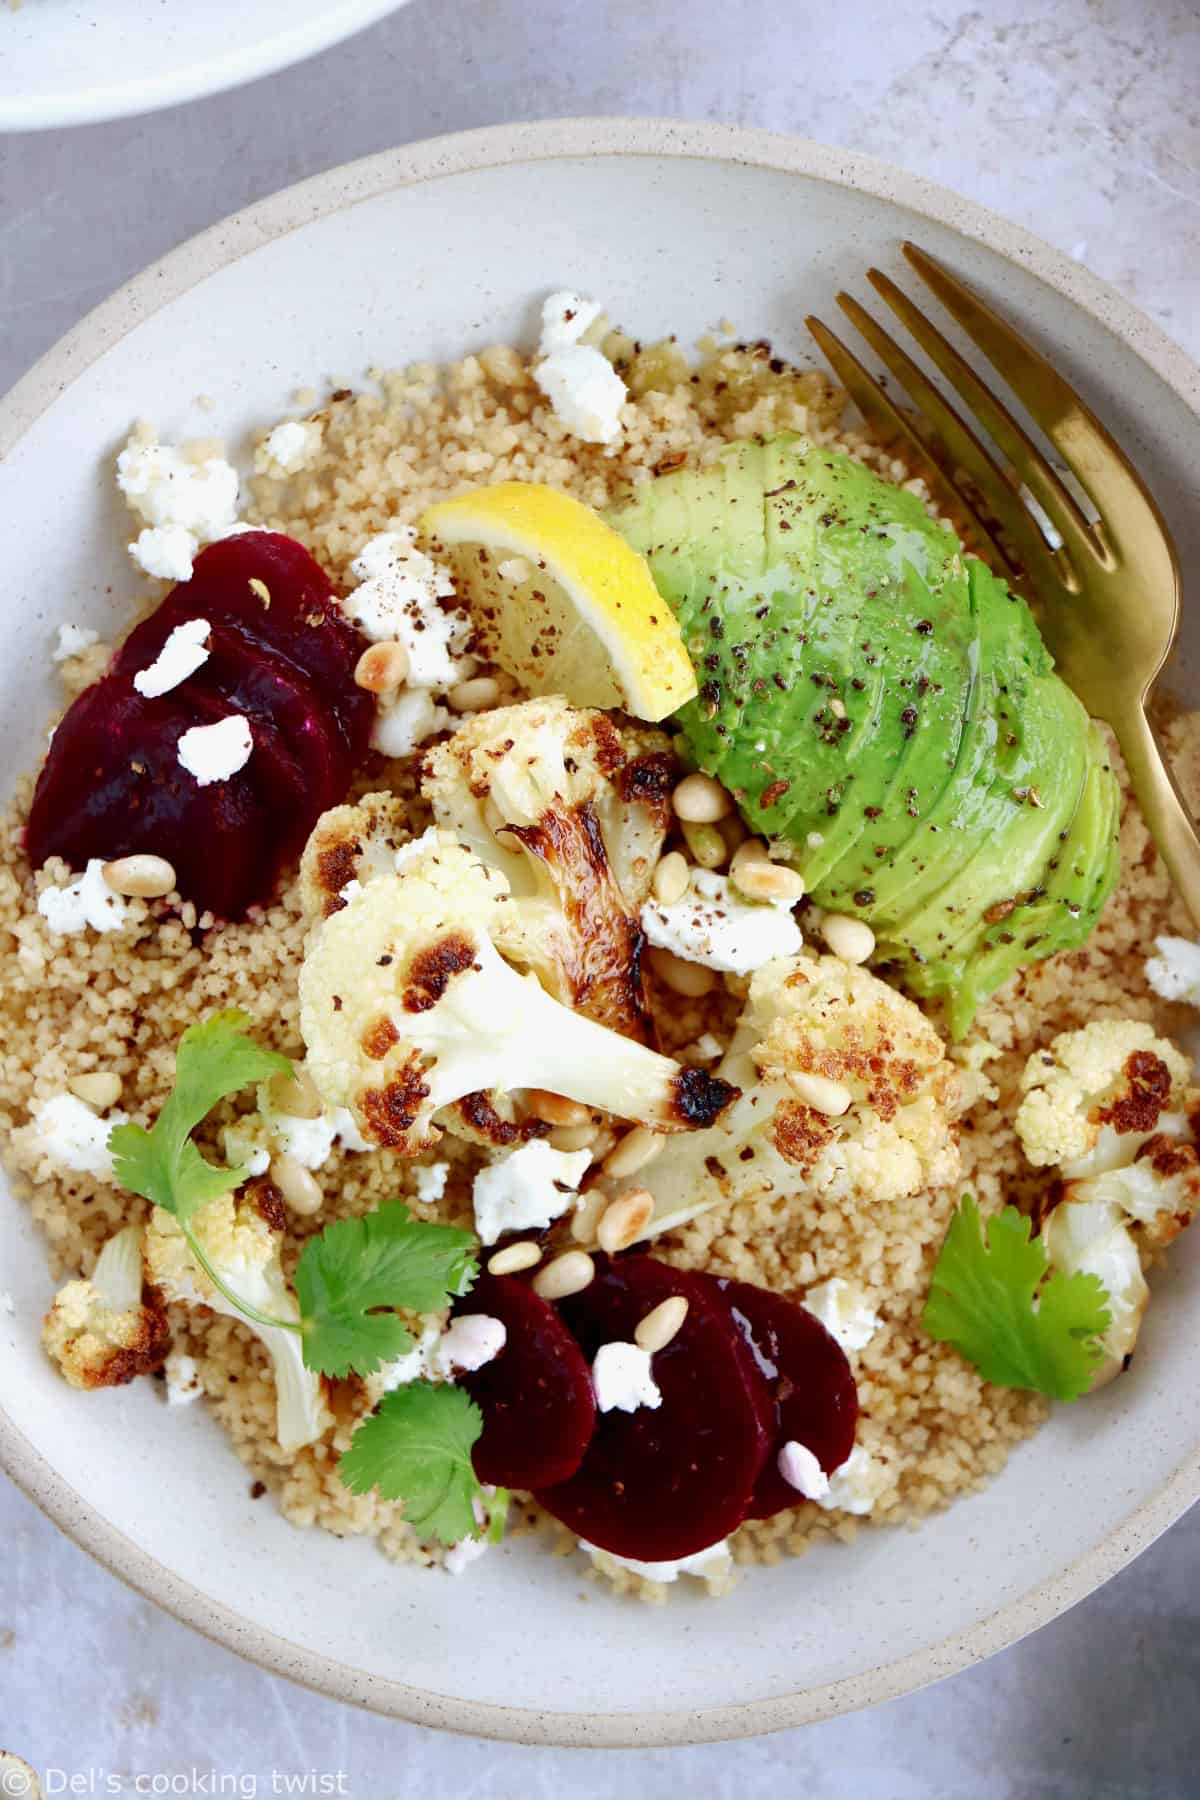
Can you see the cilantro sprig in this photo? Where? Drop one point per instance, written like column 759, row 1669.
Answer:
column 991, row 1298
column 352, row 1281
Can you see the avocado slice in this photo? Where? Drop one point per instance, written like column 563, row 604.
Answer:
column 878, row 700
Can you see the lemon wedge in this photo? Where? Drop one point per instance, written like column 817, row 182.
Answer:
column 560, row 601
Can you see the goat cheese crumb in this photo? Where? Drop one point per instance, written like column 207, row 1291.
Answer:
column 527, row 1189
column 184, row 652
column 74, row 1137
column 415, row 1365
column 1175, row 971
column 857, row 1485
column 713, row 1561
column 86, row 901
column 565, row 318
column 290, row 447
column 181, row 503
column 714, row 926
column 183, row 1379
column 460, row 1556
column 585, row 391
column 843, row 1310
column 398, row 599
column 431, row 1182
column 468, row 1343
column 801, row 1470
column 215, row 752
column 622, row 1378
column 71, row 640
column 407, row 721
column 251, row 1141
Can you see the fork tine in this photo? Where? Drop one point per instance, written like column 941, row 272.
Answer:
column 960, row 442
column 875, row 405
column 1090, row 452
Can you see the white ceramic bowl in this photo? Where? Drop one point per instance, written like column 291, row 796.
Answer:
column 428, row 252
column 69, row 62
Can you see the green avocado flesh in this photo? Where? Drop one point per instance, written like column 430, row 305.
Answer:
column 879, row 700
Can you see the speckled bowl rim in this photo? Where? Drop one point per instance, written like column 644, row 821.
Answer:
column 215, row 249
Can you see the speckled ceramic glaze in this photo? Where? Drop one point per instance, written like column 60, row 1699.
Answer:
column 68, row 62
column 428, row 252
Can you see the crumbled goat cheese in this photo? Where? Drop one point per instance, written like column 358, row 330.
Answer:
column 71, row 640
column 289, row 448
column 407, row 721
column 183, row 1379
column 527, row 1189
column 185, row 651
column 415, row 1365
column 182, row 504
column 565, row 318
column 460, row 1556
column 585, row 391
column 714, row 926
column 1175, row 971
column 398, row 599
column 843, row 1310
column 87, row 901
column 857, row 1485
column 215, row 752
column 75, row 1137
column 468, row 1343
column 622, row 1378
column 801, row 1470
column 715, row 1560
column 431, row 1182
column 250, row 1142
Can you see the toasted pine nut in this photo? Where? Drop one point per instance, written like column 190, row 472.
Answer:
column 625, row 1221
column 381, row 667
column 700, row 800
column 140, row 877
column 706, row 844
column 690, row 979
column 515, row 1257
column 767, row 880
column 586, row 1216
column 825, row 1096
column 670, row 882
column 475, row 695
column 298, row 1187
column 637, row 1148
column 295, row 1095
column 569, row 1273
column 574, row 1137
column 851, row 939
column 656, row 1330
column 733, row 831
column 556, row 1109
column 99, row 1089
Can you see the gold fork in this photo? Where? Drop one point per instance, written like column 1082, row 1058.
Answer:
column 1107, row 592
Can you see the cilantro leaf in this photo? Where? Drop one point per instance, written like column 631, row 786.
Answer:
column 416, row 1447
column 215, row 1058
column 990, row 1299
column 387, row 1259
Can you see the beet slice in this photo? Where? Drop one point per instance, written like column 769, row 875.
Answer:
column 536, row 1396
column 112, row 784
column 811, row 1382
column 662, row 1483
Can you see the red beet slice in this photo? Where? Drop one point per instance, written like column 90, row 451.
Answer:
column 536, row 1396
column 662, row 1483
column 810, row 1378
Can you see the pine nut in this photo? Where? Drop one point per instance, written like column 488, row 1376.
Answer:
column 574, row 1137
column 767, row 881
column 625, row 1221
column 298, row 1187
column 567, row 1274
column 656, row 1330
column 586, row 1216
column 851, row 939
column 382, row 667
column 706, row 844
column 98, row 1089
column 690, row 979
column 295, row 1095
column 515, row 1257
column 556, row 1109
column 140, row 877
column 475, row 695
column 637, row 1148
column 670, row 881
column 823, row 1095
column 734, row 832
column 700, row 800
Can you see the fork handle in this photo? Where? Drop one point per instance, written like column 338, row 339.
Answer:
column 1163, row 807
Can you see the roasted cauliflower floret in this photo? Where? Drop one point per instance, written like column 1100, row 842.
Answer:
column 350, row 844
column 111, row 1326
column 846, row 1087
column 1113, row 1079
column 573, row 811
column 407, row 1006
column 241, row 1239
